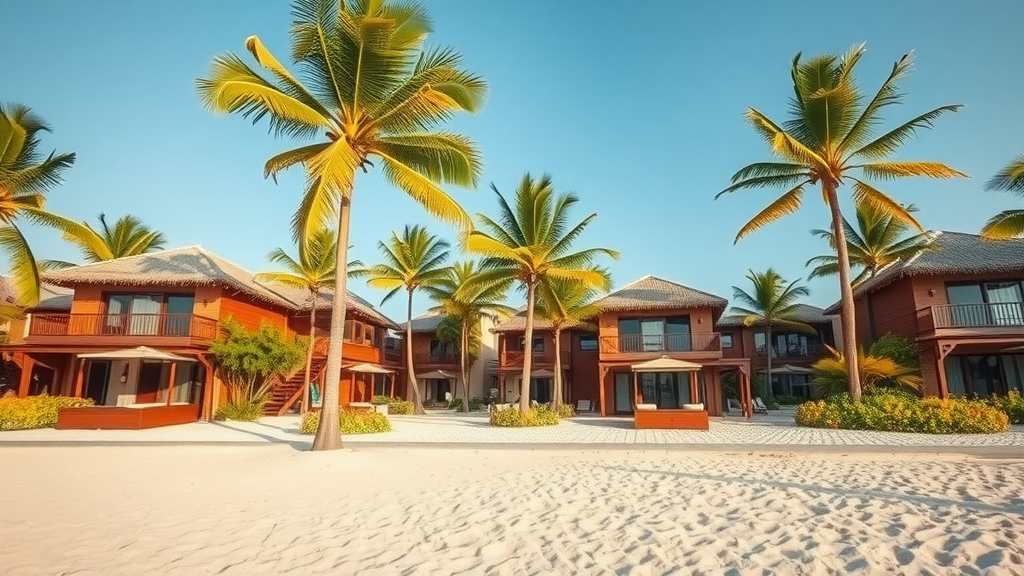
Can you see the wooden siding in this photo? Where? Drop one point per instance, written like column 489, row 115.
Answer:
column 893, row 310
column 585, row 379
column 125, row 418
column 671, row 419
column 739, row 346
column 249, row 314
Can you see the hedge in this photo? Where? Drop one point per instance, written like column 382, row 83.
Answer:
column 511, row 417
column 351, row 423
column 36, row 411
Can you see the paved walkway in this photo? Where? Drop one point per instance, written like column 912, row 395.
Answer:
column 774, row 430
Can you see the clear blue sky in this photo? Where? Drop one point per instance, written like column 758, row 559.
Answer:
column 637, row 108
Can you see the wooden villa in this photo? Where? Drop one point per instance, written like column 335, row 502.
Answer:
column 84, row 342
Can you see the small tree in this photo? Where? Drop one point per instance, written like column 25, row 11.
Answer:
column 250, row 363
column 876, row 370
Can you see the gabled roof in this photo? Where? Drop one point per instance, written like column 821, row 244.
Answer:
column 801, row 313
column 517, row 323
column 301, row 301
column 653, row 293
column 427, row 323
column 956, row 253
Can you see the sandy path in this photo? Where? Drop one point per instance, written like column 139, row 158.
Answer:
column 270, row 510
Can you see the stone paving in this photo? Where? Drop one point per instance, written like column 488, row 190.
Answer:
column 775, row 429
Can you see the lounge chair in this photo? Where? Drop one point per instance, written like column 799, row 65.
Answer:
column 733, row 404
column 584, row 406
column 759, row 406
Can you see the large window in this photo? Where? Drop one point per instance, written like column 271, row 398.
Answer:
column 985, row 304
column 984, row 375
column 655, row 334
column 588, row 342
column 538, row 343
column 361, row 333
column 726, row 339
column 148, row 314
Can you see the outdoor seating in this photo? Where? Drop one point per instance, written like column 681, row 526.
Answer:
column 759, row 406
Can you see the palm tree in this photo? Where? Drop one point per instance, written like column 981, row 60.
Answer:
column 468, row 294
column 566, row 305
column 830, row 374
column 367, row 91
column 129, row 237
column 314, row 272
column 1008, row 223
column 25, row 177
column 829, row 137
column 877, row 241
column 771, row 302
column 414, row 260
column 531, row 243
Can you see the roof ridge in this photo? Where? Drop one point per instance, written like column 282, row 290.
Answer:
column 195, row 247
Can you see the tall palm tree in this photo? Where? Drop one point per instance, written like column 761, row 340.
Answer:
column 128, row 237
column 878, row 240
column 771, row 302
column 565, row 305
column 413, row 260
column 367, row 92
column 314, row 272
column 1008, row 223
column 533, row 242
column 830, row 136
column 25, row 177
column 468, row 294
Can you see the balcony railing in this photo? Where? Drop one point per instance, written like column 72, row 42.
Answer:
column 437, row 358
column 978, row 315
column 794, row 351
column 642, row 343
column 516, row 357
column 124, row 325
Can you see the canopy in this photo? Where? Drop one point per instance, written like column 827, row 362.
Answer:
column 369, row 369
column 138, row 353
column 542, row 373
column 438, row 375
column 789, row 369
column 666, row 364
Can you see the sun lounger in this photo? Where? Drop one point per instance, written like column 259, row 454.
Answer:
column 759, row 406
column 584, row 406
column 733, row 404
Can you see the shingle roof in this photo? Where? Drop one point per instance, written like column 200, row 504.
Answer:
column 956, row 253
column 196, row 266
column 653, row 293
column 6, row 290
column 802, row 313
column 517, row 323
column 51, row 297
column 427, row 323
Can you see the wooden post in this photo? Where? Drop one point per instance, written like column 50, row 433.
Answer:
column 600, row 390
column 26, row 376
column 750, row 396
column 208, row 386
column 171, row 374
column 79, row 377
column 693, row 387
column 352, row 388
column 940, row 371
column 392, row 384
column 636, row 389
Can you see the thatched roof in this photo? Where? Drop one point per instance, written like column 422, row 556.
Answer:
column 653, row 293
column 802, row 313
column 517, row 323
column 427, row 323
column 354, row 303
column 956, row 253
column 51, row 298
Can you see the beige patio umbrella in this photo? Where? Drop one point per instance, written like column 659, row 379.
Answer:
column 666, row 364
column 138, row 353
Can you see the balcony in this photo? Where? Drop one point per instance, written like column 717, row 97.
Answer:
column 122, row 329
column 663, row 344
column 451, row 358
column 990, row 315
column 796, row 351
column 516, row 357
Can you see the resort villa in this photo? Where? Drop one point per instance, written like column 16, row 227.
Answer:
column 962, row 303
column 437, row 362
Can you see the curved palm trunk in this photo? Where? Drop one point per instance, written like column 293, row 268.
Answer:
column 524, row 389
column 309, row 355
column 328, row 432
column 556, row 397
column 417, row 403
column 463, row 356
column 846, row 314
column 769, row 393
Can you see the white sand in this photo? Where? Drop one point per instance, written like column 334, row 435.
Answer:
column 269, row 510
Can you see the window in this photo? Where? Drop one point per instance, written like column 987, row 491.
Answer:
column 655, row 334
column 588, row 342
column 726, row 340
column 538, row 343
column 148, row 314
column 984, row 304
column 759, row 342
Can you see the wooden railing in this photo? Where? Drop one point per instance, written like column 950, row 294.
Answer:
column 437, row 358
column 795, row 351
column 516, row 357
column 661, row 343
column 978, row 315
column 126, row 325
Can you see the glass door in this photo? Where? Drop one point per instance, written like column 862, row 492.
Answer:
column 179, row 315
column 653, row 333
column 145, row 314
column 967, row 305
column 116, row 319
column 1005, row 308
column 623, row 393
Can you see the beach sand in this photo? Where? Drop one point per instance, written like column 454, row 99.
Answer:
column 274, row 510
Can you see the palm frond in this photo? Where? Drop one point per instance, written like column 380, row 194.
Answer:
column 1010, row 178
column 25, row 281
column 889, row 142
column 894, row 170
column 788, row 203
column 1006, row 225
column 864, row 192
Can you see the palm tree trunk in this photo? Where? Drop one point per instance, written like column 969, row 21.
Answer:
column 328, row 432
column 309, row 354
column 524, row 389
column 417, row 404
column 768, row 371
column 556, row 397
column 846, row 313
column 463, row 355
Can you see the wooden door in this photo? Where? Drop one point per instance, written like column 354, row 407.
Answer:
column 96, row 382
column 149, row 383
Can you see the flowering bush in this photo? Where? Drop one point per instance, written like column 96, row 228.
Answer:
column 35, row 411
column 901, row 411
column 396, row 406
column 1012, row 405
column 351, row 423
column 511, row 417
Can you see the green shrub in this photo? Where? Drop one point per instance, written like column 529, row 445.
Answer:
column 830, row 377
column 784, row 400
column 351, row 423
column 396, row 406
column 474, row 404
column 901, row 411
column 1012, row 405
column 240, row 411
column 511, row 417
column 35, row 411
column 566, row 411
column 901, row 350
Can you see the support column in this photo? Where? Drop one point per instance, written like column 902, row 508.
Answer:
column 940, row 369
column 693, row 387
column 750, row 396
column 26, row 376
column 208, row 386
column 636, row 390
column 171, row 374
column 600, row 389
column 79, row 377
column 352, row 388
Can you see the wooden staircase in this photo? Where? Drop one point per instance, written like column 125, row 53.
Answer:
column 288, row 393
